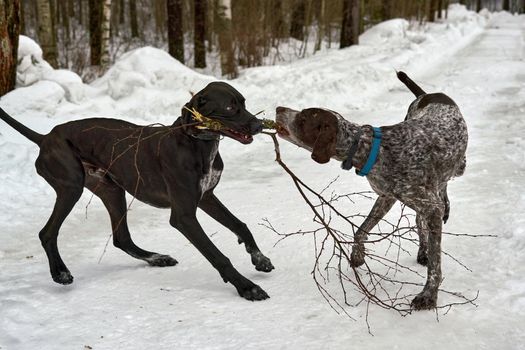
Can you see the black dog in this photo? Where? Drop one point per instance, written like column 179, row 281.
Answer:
column 173, row 167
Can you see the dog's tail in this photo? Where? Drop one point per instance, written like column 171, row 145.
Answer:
column 21, row 128
column 416, row 90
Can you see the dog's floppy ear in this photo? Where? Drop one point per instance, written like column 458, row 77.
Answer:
column 324, row 146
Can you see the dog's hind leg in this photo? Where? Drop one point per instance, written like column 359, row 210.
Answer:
column 422, row 232
column 431, row 209
column 62, row 170
column 382, row 205
column 214, row 208
column 114, row 199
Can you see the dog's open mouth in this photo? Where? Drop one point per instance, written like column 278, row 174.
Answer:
column 236, row 135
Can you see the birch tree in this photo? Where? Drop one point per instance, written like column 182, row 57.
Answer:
column 105, row 33
column 224, row 19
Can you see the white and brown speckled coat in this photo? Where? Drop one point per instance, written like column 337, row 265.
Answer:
column 417, row 158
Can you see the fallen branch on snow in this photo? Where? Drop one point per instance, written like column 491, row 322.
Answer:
column 383, row 280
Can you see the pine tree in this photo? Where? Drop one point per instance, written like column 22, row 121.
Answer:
column 46, row 32
column 432, row 6
column 386, row 9
column 133, row 18
column 350, row 25
column 9, row 32
column 199, row 35
column 175, row 29
column 297, row 20
column 95, row 32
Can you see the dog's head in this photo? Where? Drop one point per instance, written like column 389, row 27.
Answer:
column 220, row 101
column 314, row 129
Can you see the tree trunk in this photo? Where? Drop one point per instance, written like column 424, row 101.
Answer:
column 297, row 20
column 9, row 32
column 432, row 10
column 320, row 26
column 199, row 35
column 506, row 5
column 133, row 18
column 64, row 11
column 478, row 5
column 224, row 19
column 105, row 28
column 22, row 16
column 46, row 33
column 95, row 33
column 160, row 19
column 71, row 14
column 81, row 12
column 386, row 10
column 175, row 29
column 278, row 27
column 122, row 12
column 210, row 27
column 350, row 25
column 440, row 8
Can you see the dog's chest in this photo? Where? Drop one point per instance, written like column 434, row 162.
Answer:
column 211, row 175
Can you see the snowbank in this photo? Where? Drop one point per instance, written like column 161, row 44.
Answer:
column 392, row 30
column 33, row 68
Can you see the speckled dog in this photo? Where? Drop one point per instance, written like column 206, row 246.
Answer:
column 416, row 158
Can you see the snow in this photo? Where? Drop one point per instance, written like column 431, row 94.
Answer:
column 477, row 59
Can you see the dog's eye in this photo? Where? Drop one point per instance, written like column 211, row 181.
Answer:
column 229, row 108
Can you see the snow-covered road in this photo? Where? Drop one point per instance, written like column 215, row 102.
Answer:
column 123, row 304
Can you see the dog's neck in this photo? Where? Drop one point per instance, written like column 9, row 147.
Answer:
column 347, row 134
column 194, row 133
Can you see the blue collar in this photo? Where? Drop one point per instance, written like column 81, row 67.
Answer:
column 374, row 151
column 376, row 143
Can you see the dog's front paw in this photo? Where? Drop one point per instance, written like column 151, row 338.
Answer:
column 254, row 292
column 357, row 258
column 261, row 262
column 161, row 260
column 63, row 277
column 424, row 301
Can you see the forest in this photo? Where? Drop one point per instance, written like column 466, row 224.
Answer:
column 217, row 36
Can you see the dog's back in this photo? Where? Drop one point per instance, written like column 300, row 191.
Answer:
column 435, row 119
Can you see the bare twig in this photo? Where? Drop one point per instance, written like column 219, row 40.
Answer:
column 383, row 280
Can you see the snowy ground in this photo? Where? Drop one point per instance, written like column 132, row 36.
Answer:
column 123, row 304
